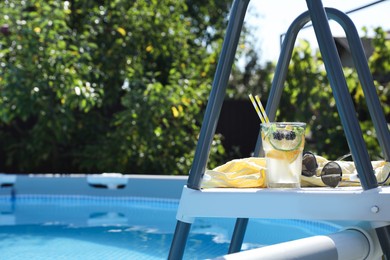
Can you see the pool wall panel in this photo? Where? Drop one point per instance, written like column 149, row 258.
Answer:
column 153, row 186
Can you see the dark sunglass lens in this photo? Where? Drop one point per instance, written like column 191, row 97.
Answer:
column 309, row 164
column 331, row 174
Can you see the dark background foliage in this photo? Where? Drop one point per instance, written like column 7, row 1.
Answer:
column 121, row 86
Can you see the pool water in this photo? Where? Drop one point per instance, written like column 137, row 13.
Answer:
column 85, row 227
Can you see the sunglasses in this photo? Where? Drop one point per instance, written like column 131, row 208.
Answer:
column 331, row 174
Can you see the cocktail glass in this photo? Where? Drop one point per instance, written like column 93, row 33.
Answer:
column 283, row 143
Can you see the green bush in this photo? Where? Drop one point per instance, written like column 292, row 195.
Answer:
column 93, row 86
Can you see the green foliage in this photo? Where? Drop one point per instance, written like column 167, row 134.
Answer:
column 379, row 64
column 308, row 98
column 45, row 80
column 95, row 86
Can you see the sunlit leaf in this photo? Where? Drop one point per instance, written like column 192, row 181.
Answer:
column 121, row 31
column 149, row 48
column 175, row 112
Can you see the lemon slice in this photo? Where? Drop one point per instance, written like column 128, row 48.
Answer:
column 286, row 145
column 289, row 156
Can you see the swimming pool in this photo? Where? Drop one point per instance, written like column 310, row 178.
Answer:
column 43, row 217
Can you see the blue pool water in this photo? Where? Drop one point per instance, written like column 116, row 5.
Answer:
column 84, row 227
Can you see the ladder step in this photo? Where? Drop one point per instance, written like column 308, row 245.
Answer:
column 343, row 203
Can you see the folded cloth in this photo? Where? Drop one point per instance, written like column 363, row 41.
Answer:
column 250, row 173
column 238, row 173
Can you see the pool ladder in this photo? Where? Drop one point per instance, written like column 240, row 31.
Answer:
column 319, row 16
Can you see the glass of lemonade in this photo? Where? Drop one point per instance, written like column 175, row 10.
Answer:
column 283, row 144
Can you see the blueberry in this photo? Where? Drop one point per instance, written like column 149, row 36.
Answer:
column 290, row 135
column 278, row 135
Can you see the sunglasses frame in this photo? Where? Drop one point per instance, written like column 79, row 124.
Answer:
column 313, row 172
column 331, row 179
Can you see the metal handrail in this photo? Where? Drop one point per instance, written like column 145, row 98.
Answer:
column 209, row 124
column 217, row 94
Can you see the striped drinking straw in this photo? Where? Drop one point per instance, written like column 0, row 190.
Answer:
column 257, row 109
column 262, row 108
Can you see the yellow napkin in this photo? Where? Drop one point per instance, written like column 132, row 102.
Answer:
column 238, row 173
